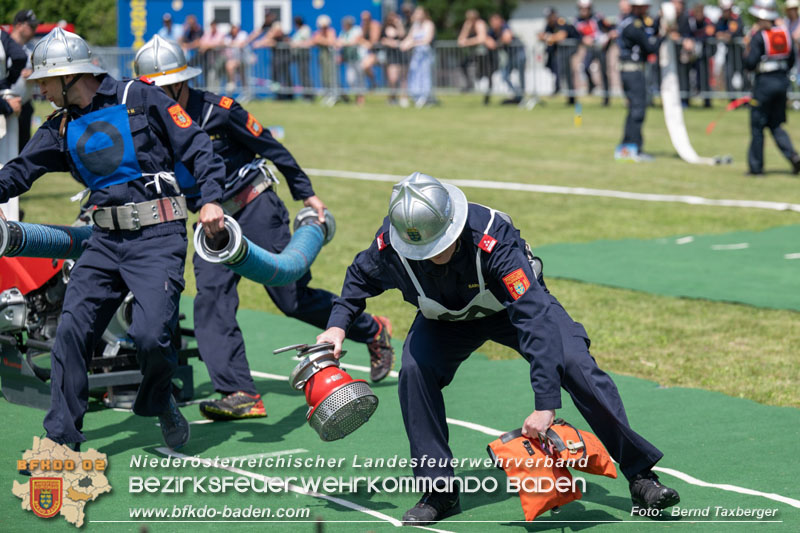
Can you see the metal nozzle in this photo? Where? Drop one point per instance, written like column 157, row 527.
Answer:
column 226, row 247
column 308, row 215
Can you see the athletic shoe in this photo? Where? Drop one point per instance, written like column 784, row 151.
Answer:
column 381, row 353
column 234, row 406
column 174, row 426
column 796, row 164
column 648, row 492
column 432, row 507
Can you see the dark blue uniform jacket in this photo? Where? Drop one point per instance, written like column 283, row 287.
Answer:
column 453, row 285
column 238, row 138
column 159, row 142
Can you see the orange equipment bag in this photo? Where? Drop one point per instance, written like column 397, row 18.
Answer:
column 511, row 451
column 569, row 442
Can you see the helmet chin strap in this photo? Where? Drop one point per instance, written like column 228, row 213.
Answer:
column 65, row 87
column 175, row 94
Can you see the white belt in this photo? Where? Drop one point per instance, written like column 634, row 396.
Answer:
column 631, row 66
column 772, row 66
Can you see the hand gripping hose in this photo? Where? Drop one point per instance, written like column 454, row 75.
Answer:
column 232, row 249
column 20, row 239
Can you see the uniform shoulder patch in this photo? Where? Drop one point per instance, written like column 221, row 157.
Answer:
column 179, row 116
column 648, row 21
column 253, row 126
column 487, row 243
column 146, row 80
column 516, row 283
column 381, row 242
column 225, row 102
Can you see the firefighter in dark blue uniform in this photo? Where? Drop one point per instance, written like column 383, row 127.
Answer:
column 121, row 139
column 250, row 198
column 635, row 44
column 471, row 275
column 770, row 54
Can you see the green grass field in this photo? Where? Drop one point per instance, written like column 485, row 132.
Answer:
column 739, row 350
column 714, row 385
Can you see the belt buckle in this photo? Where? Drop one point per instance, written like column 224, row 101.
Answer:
column 134, row 216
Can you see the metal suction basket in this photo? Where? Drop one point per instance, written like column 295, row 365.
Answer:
column 338, row 404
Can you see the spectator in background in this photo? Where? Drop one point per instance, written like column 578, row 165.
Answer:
column 510, row 45
column 728, row 30
column 235, row 58
column 279, row 44
column 479, row 50
column 190, row 41
column 392, row 34
column 24, row 30
column 556, row 30
column 324, row 39
column 168, row 30
column 420, row 69
column 269, row 19
column 683, row 38
column 16, row 59
column 301, row 55
column 348, row 44
column 211, row 47
column 406, row 12
column 370, row 36
column 593, row 31
column 702, row 30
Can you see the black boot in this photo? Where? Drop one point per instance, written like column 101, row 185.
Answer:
column 648, row 492
column 432, row 507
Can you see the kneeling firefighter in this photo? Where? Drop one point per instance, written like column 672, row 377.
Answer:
column 250, row 198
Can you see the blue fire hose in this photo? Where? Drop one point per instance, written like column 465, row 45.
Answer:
column 20, row 239
column 238, row 253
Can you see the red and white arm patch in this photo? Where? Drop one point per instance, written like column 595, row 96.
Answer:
column 487, row 243
column 253, row 125
column 516, row 283
column 381, row 243
column 179, row 116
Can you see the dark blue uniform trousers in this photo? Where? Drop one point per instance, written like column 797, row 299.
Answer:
column 633, row 83
column 433, row 351
column 768, row 110
column 112, row 264
column 265, row 221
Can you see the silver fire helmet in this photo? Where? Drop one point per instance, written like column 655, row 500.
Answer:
column 426, row 216
column 764, row 9
column 61, row 53
column 163, row 62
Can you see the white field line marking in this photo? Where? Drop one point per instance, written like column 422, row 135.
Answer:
column 684, row 240
column 792, row 256
column 266, row 375
column 738, row 246
column 293, row 488
column 578, row 191
column 676, row 473
column 731, row 488
column 364, row 369
column 194, row 422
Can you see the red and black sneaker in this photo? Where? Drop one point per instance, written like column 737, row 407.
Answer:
column 236, row 406
column 381, row 353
